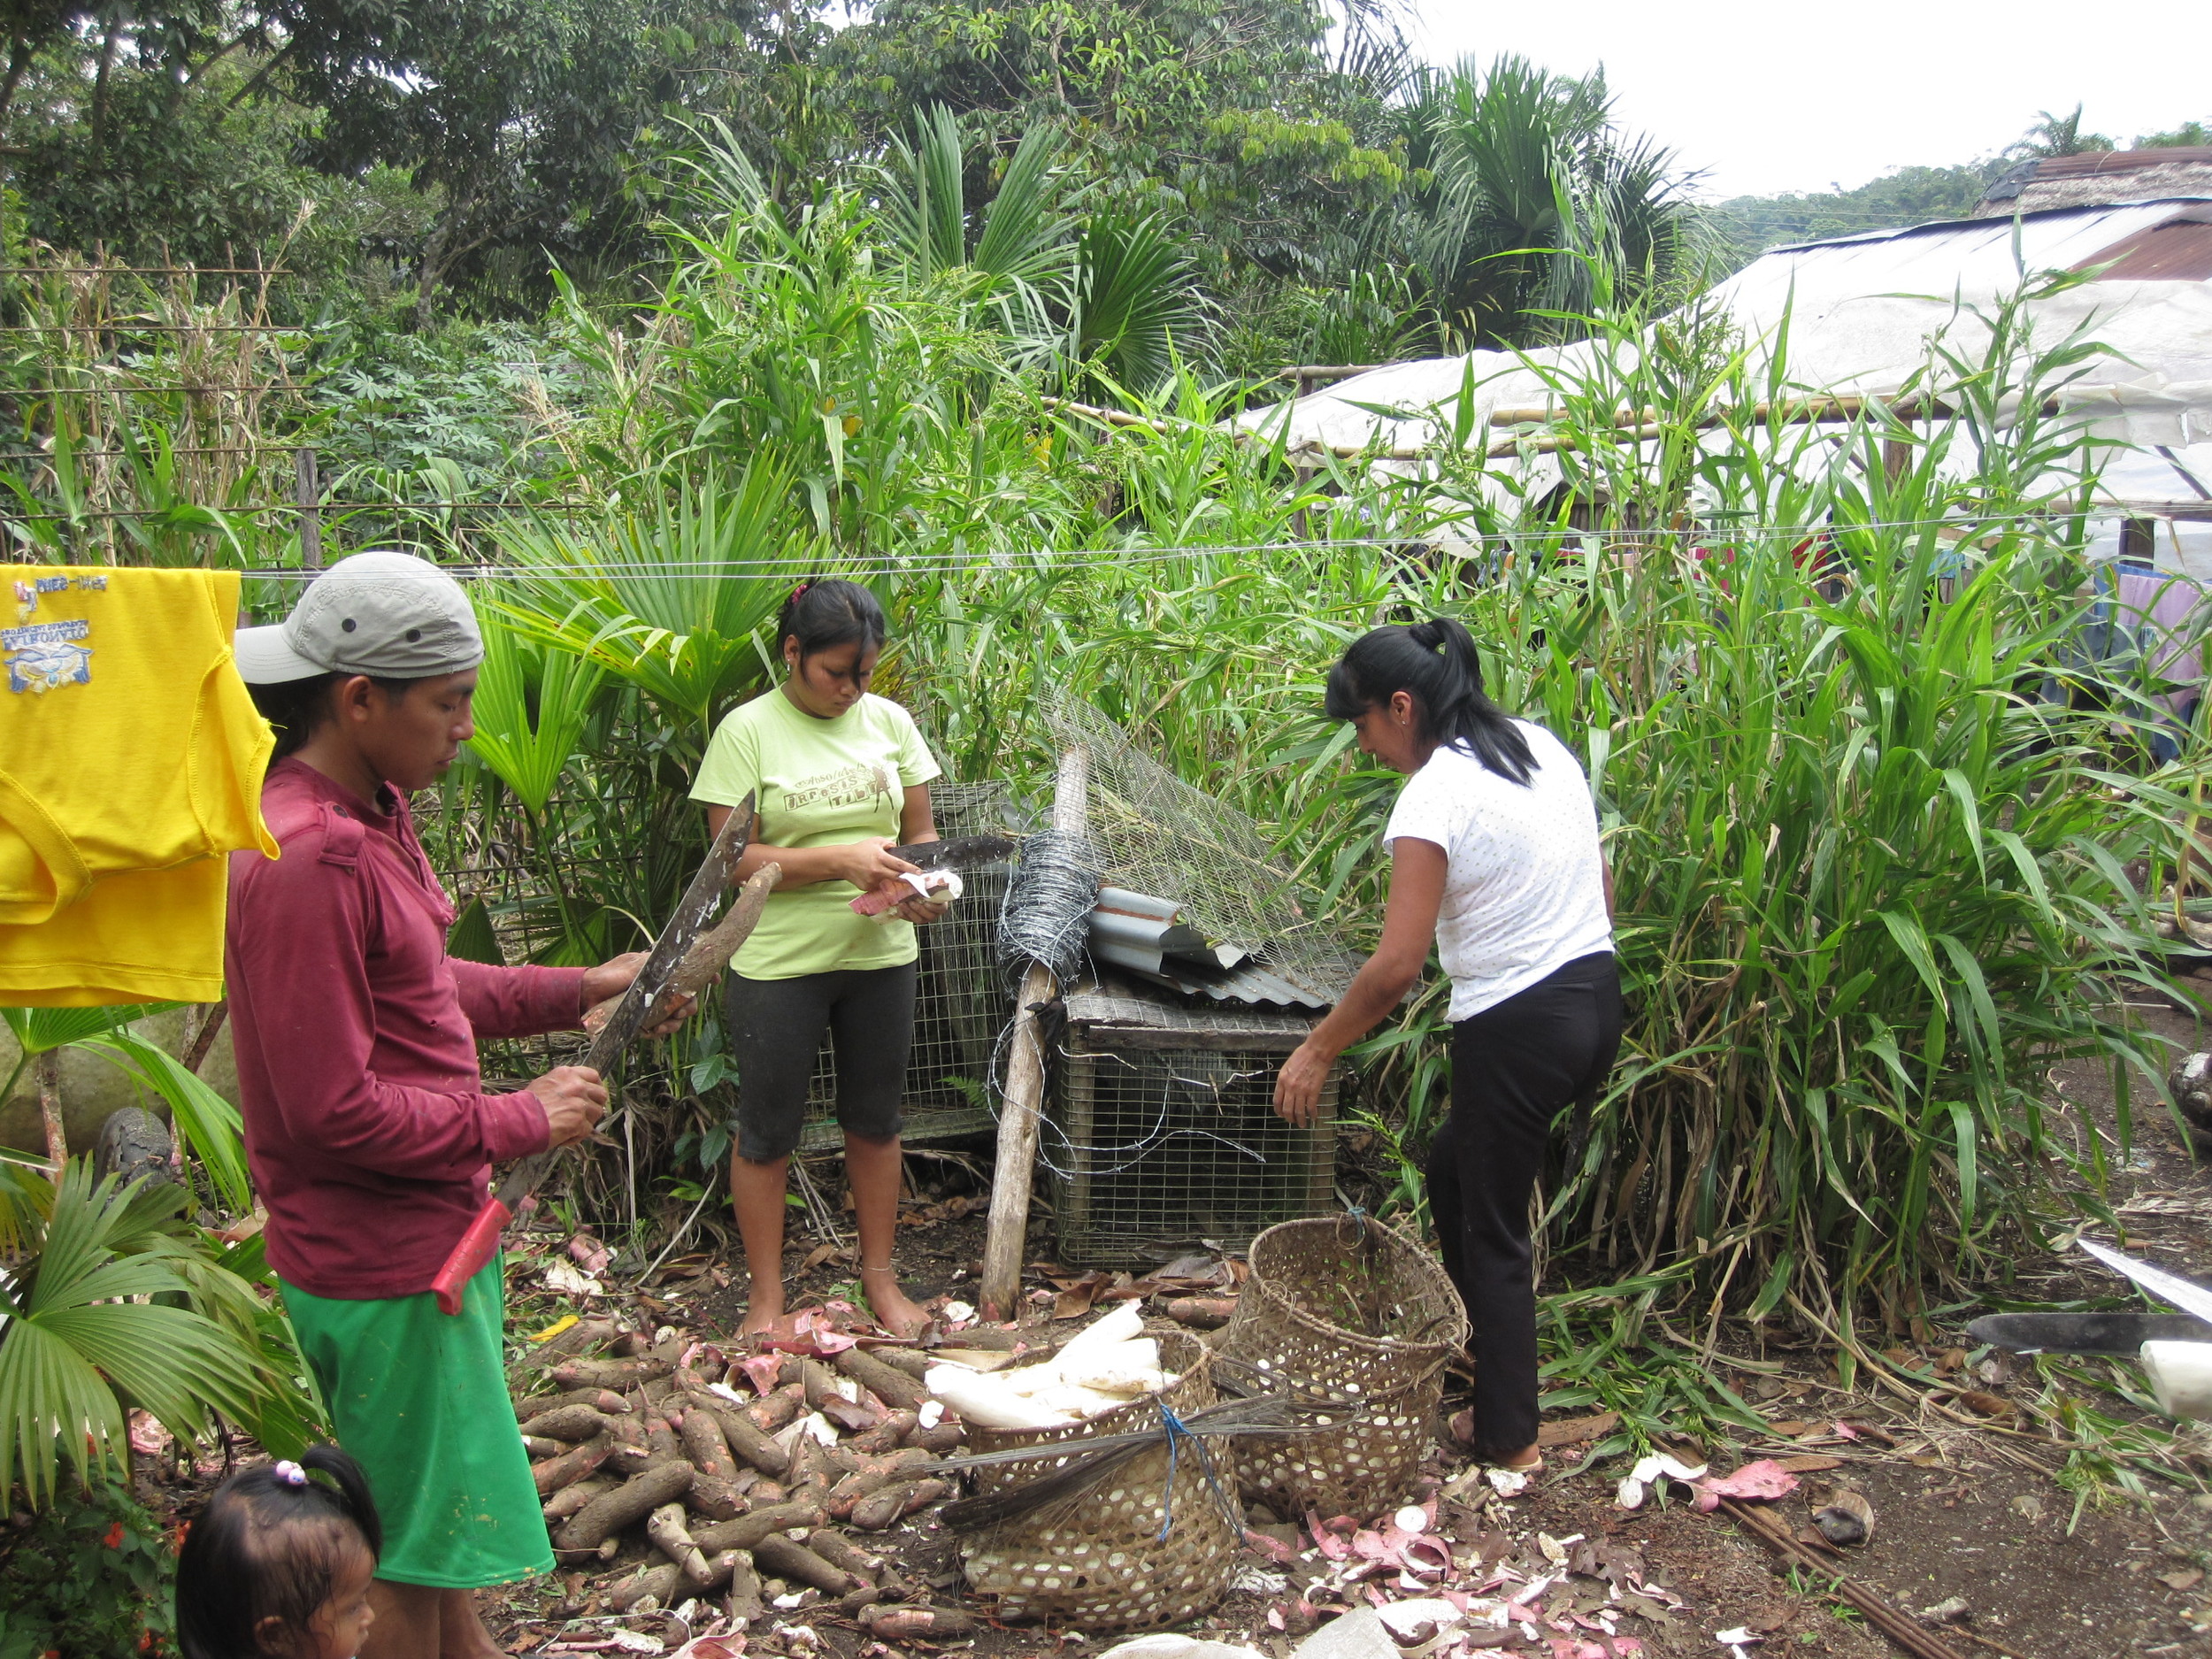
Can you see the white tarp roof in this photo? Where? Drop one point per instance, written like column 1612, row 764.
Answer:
column 1861, row 311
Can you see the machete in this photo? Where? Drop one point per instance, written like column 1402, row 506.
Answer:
column 628, row 1019
column 961, row 852
column 2051, row 1332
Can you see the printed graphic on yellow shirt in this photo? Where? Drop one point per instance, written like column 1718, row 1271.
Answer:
column 43, row 656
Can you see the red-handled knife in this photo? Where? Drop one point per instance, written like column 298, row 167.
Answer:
column 693, row 910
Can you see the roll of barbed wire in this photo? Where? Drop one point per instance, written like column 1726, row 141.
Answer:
column 1046, row 915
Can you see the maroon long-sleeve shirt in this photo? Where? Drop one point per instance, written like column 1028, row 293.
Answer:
column 367, row 1127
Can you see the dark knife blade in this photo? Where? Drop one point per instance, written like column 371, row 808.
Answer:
column 2118, row 1332
column 960, row 852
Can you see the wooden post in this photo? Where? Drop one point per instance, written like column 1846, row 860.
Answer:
column 204, row 1035
column 311, row 496
column 1022, row 1110
column 47, row 1070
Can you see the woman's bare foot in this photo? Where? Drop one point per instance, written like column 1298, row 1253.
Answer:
column 893, row 1310
column 763, row 1312
column 1460, row 1426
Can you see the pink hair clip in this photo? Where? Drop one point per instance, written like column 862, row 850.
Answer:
column 289, row 1472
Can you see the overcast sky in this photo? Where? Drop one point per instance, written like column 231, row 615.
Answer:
column 1766, row 96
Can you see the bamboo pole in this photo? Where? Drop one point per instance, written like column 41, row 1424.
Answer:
column 1120, row 417
column 1022, row 1111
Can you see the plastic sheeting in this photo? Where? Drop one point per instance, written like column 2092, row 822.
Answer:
column 1861, row 311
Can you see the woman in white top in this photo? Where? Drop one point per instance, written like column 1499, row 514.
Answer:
column 1494, row 855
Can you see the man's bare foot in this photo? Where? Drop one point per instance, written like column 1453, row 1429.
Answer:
column 893, row 1310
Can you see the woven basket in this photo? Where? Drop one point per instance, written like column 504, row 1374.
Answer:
column 1098, row 1563
column 1356, row 1312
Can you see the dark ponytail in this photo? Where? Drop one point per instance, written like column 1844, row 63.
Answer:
column 825, row 614
column 272, row 1543
column 1435, row 664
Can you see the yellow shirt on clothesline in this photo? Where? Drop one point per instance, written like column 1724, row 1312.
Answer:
column 131, row 758
column 128, row 740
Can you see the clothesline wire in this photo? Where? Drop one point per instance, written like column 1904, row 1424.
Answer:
column 1475, row 541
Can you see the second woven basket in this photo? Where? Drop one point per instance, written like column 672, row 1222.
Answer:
column 1148, row 1548
column 1353, row 1312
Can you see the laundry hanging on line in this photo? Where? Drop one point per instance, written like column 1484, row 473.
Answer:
column 131, row 759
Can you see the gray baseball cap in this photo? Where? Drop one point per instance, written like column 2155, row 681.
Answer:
column 391, row 615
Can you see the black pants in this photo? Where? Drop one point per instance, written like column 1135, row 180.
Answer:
column 1515, row 1068
column 775, row 1030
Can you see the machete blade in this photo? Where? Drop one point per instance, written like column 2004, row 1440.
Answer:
column 685, row 924
column 2056, row 1333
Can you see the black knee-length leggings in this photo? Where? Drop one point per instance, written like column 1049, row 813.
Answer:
column 775, row 1031
column 1515, row 1067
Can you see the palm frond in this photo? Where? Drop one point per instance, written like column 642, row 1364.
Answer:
column 78, row 1346
column 530, row 709
column 1138, row 305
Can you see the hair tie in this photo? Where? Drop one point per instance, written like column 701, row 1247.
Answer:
column 799, row 592
column 289, row 1472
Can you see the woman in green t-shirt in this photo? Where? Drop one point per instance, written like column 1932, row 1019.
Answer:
column 839, row 777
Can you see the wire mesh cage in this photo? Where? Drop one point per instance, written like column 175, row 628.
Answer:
column 1162, row 1135
column 1156, row 834
column 960, row 1004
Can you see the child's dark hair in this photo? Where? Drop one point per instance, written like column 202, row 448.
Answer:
column 824, row 614
column 297, row 707
column 1435, row 664
column 271, row 1544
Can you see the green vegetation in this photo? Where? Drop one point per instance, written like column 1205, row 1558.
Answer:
column 90, row 1574
column 960, row 305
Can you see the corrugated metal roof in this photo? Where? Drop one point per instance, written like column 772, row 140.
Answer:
column 2102, row 162
column 1110, row 1001
column 2178, row 250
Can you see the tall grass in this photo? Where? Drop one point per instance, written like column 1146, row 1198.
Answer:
column 1873, row 881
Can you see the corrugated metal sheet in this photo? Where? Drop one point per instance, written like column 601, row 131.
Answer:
column 2098, row 179
column 2178, row 250
column 1147, row 936
column 1105, row 1002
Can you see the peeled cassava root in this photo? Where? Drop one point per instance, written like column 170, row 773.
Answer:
column 1108, row 1364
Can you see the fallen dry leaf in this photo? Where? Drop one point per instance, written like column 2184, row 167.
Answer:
column 2181, row 1579
column 1809, row 1465
column 1576, row 1431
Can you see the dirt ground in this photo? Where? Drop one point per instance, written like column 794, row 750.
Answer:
column 1977, row 1516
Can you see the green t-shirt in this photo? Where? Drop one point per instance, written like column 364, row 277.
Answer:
column 817, row 783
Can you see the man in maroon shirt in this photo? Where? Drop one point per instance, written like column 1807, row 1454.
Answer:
column 367, row 1126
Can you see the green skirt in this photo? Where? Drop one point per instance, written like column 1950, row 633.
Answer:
column 420, row 1398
